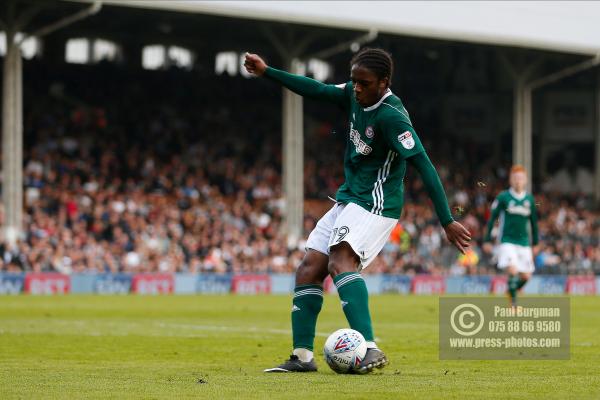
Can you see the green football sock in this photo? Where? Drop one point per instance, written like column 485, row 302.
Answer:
column 521, row 283
column 355, row 302
column 513, row 283
column 307, row 303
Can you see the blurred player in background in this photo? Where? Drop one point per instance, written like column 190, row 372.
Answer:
column 380, row 143
column 517, row 231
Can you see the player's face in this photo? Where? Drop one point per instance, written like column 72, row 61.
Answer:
column 518, row 181
column 368, row 88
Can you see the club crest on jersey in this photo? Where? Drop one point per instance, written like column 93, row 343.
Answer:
column 369, row 132
column 406, row 139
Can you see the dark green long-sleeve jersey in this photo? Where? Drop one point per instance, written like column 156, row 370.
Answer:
column 380, row 142
column 518, row 219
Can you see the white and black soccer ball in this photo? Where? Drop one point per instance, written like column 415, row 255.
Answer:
column 344, row 350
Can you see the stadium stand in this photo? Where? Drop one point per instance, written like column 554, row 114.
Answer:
column 117, row 181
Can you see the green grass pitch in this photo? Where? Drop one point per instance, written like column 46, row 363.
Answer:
column 215, row 347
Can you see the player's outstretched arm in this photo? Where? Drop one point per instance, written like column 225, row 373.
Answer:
column 457, row 234
column 493, row 217
column 298, row 84
column 487, row 237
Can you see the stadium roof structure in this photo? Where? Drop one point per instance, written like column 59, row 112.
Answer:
column 562, row 26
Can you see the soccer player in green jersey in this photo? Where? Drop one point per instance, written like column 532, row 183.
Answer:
column 380, row 143
column 518, row 230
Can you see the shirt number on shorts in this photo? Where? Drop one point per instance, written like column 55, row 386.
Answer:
column 340, row 233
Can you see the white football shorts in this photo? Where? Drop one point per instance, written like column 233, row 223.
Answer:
column 365, row 232
column 520, row 257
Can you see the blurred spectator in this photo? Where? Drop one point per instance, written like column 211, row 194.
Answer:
column 571, row 178
column 179, row 184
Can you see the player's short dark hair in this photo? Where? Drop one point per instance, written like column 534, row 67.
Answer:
column 377, row 60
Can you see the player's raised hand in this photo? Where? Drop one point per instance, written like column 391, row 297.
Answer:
column 254, row 64
column 458, row 235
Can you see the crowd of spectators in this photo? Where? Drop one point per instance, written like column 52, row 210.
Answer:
column 118, row 182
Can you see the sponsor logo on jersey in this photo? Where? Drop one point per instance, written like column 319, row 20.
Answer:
column 406, row 139
column 369, row 132
column 519, row 210
column 361, row 147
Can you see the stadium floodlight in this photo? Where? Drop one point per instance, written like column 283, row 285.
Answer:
column 320, row 69
column 77, row 51
column 226, row 62
column 104, row 50
column 182, row 58
column 29, row 47
column 153, row 57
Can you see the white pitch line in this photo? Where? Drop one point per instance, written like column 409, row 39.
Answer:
column 224, row 328
column 253, row 329
column 128, row 328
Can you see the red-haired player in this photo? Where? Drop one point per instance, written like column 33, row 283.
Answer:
column 517, row 231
